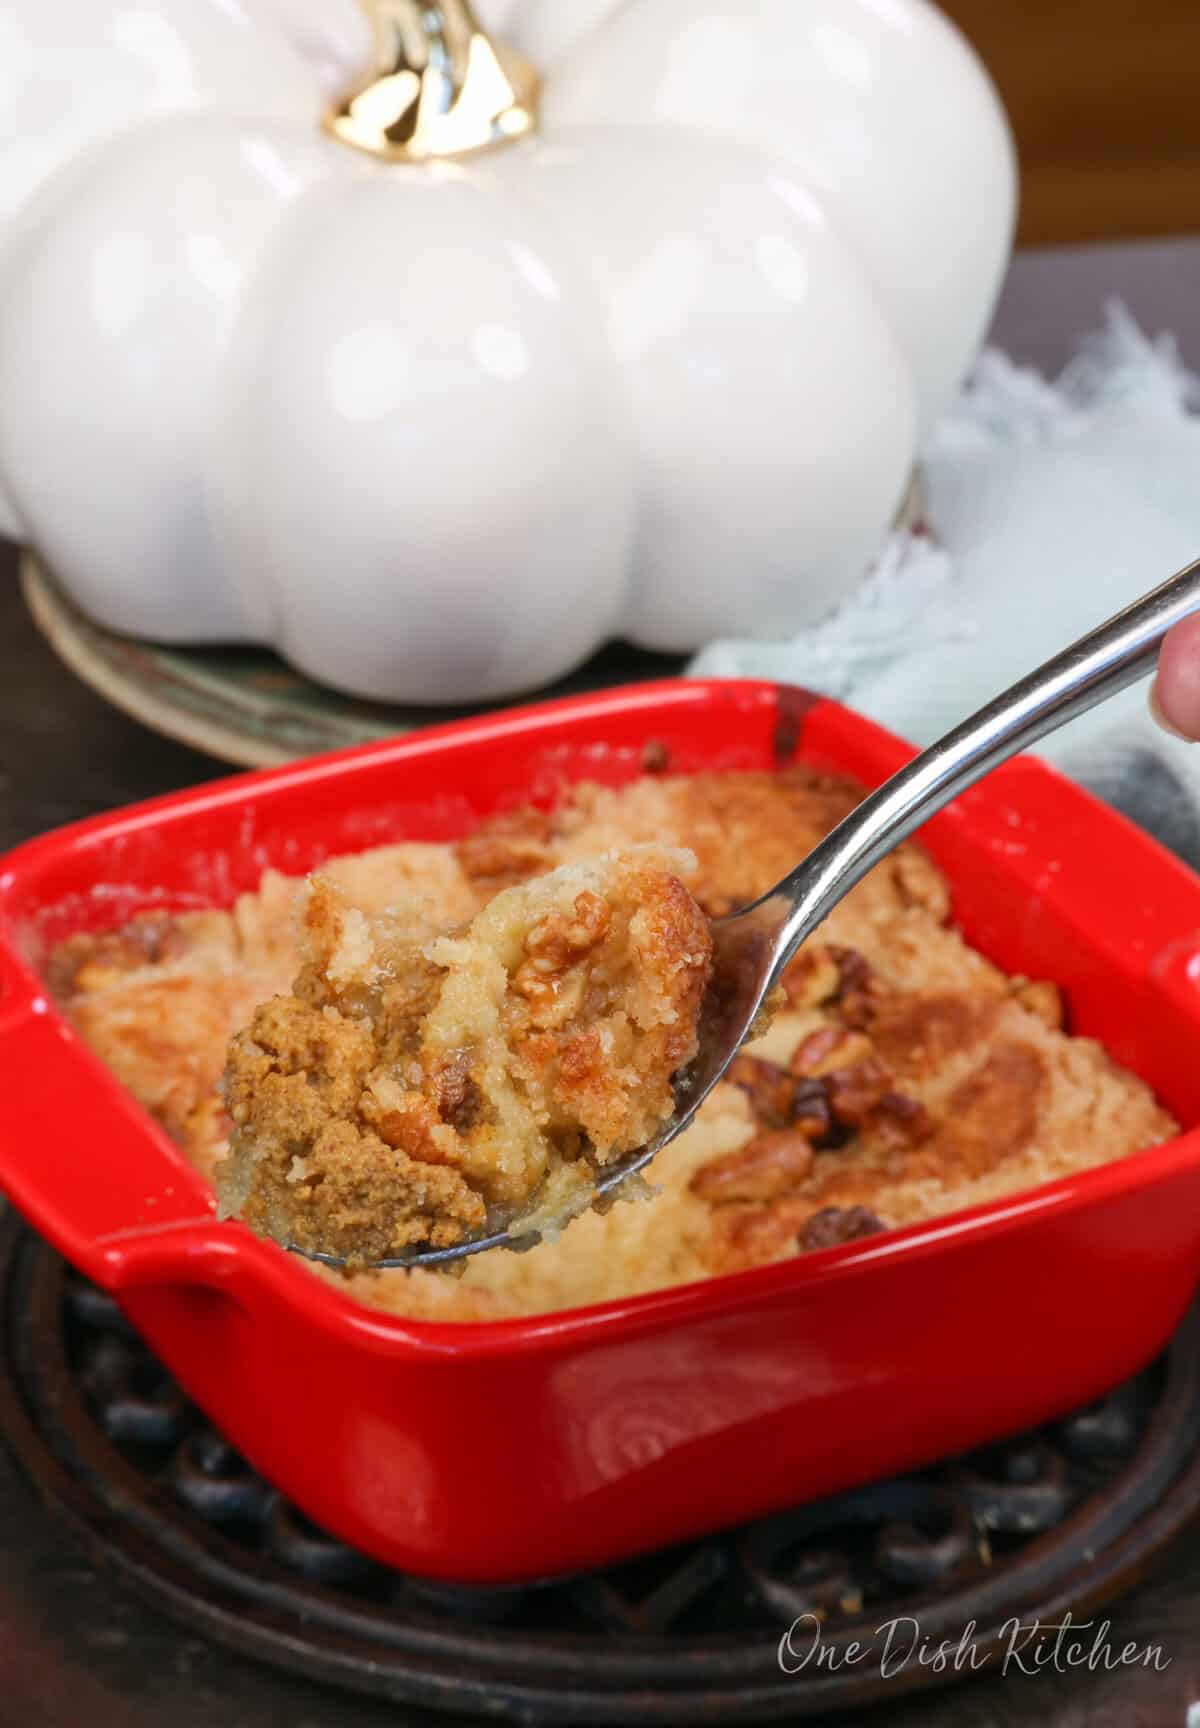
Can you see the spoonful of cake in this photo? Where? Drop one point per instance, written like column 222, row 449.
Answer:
column 415, row 1099
column 415, row 1102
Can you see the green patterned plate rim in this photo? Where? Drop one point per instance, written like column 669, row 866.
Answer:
column 246, row 705
column 249, row 707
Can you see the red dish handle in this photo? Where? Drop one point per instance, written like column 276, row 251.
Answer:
column 78, row 1156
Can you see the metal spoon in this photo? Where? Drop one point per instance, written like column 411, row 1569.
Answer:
column 752, row 949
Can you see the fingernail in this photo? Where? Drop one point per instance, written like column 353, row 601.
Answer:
column 1156, row 709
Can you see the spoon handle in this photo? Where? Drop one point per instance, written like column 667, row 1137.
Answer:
column 1102, row 663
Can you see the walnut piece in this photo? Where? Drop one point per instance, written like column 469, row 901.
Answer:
column 813, row 978
column 830, row 1051
column 770, row 1166
column 837, row 1225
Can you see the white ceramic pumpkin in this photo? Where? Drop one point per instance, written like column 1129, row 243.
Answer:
column 657, row 366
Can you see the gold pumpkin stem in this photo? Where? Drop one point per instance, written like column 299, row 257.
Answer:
column 442, row 87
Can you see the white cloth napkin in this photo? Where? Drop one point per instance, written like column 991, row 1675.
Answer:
column 1051, row 505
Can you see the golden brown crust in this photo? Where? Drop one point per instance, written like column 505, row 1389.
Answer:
column 87, row 965
column 917, row 1033
column 946, row 1095
column 746, row 831
column 507, row 849
column 164, row 1038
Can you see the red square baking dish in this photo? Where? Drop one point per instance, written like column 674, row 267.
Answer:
column 507, row 1451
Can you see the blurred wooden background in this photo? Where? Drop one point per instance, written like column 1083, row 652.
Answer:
column 1105, row 99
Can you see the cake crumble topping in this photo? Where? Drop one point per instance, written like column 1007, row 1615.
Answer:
column 905, row 1076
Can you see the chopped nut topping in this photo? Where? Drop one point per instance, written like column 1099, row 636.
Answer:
column 770, row 1089
column 855, row 975
column 854, row 1093
column 410, row 1126
column 899, row 1121
column 781, row 1100
column 770, row 1166
column 753, row 1235
column 812, row 1114
column 838, row 1225
column 553, row 979
column 826, row 1052
column 813, row 978
column 507, row 849
column 459, row 1099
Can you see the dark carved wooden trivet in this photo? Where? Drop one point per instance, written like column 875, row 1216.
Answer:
column 1065, row 1518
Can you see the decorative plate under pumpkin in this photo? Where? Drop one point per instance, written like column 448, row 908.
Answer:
column 438, row 387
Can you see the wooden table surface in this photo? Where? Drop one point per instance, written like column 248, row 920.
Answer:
column 1102, row 95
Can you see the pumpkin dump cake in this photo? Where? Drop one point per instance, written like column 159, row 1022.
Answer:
column 419, row 1089
column 905, row 1077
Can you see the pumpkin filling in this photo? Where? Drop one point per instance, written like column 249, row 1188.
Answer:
column 416, row 1091
column 904, row 1077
